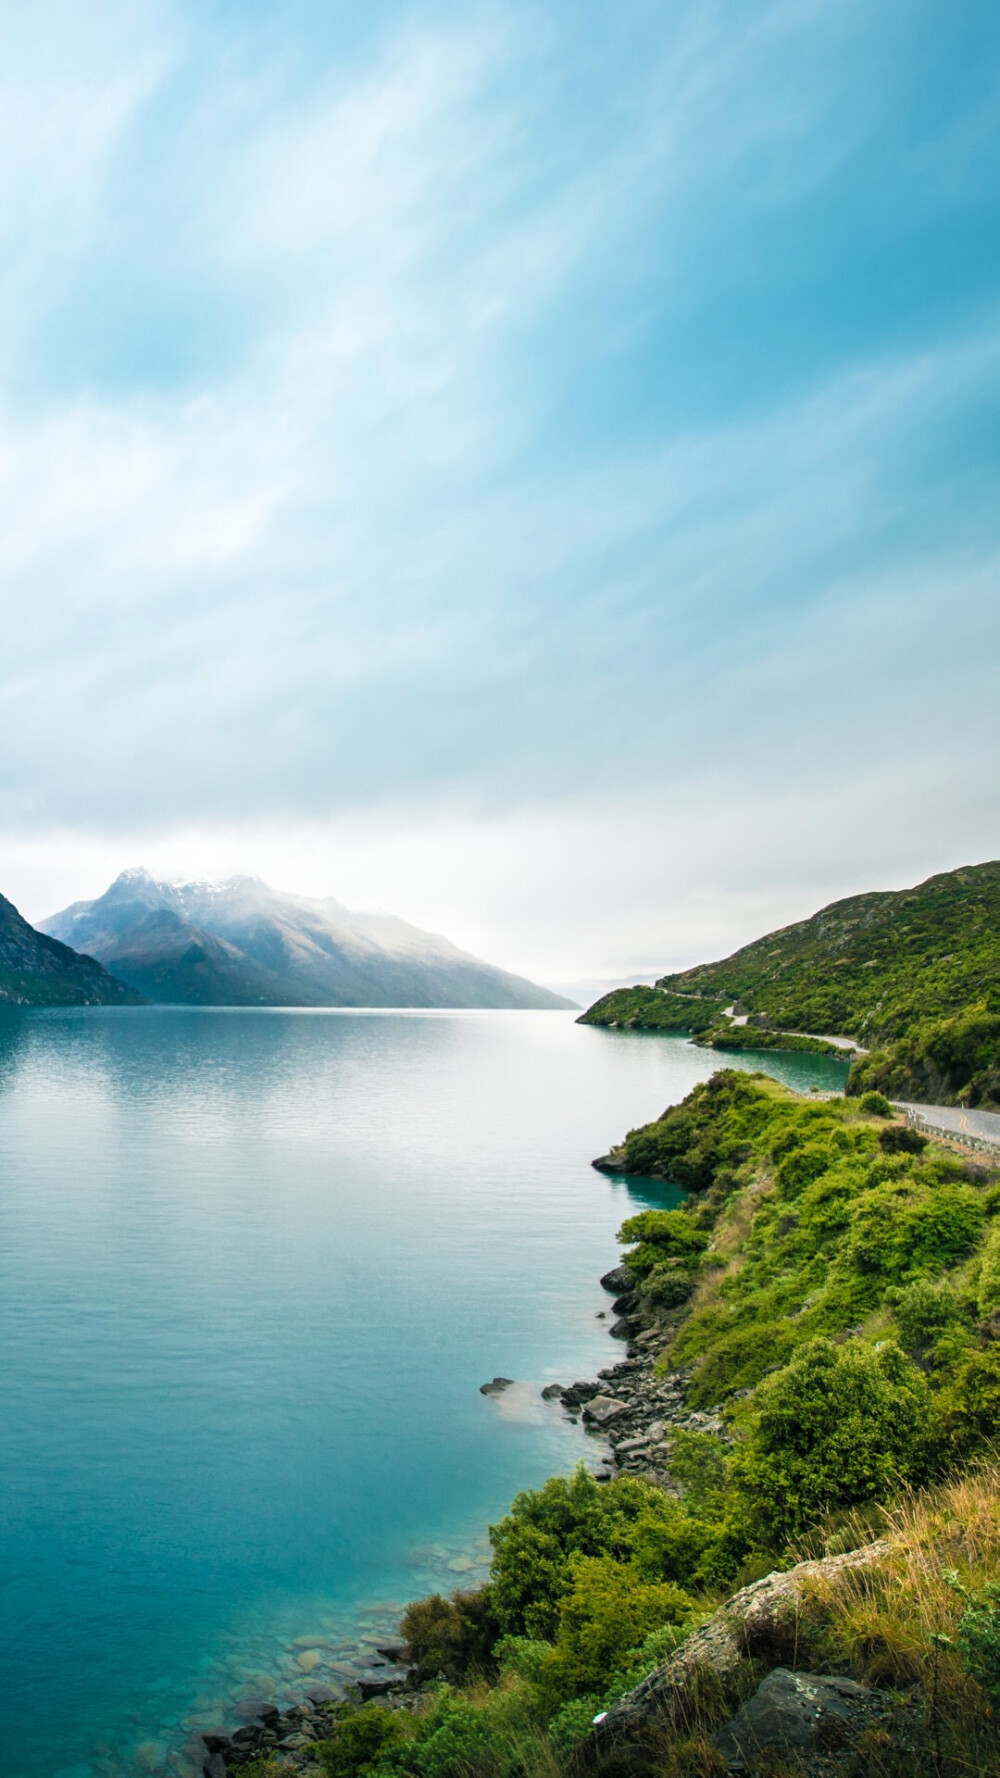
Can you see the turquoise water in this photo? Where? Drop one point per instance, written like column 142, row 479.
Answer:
column 253, row 1268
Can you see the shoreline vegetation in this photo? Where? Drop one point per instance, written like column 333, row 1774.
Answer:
column 911, row 979
column 794, row 1536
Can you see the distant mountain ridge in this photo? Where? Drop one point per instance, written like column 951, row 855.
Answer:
column 38, row 970
column 241, row 943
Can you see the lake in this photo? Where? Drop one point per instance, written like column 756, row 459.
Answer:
column 254, row 1266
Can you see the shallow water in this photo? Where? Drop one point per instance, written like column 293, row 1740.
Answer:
column 253, row 1268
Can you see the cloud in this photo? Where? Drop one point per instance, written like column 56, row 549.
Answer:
column 494, row 426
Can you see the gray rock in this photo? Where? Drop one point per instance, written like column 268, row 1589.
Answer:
column 617, row 1280
column 497, row 1387
column 375, row 1687
column 754, row 1620
column 578, row 1393
column 801, row 1713
column 601, row 1410
column 553, row 1392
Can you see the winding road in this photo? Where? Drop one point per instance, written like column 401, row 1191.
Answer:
column 983, row 1125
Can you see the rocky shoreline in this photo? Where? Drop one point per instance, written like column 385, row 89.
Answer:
column 628, row 1407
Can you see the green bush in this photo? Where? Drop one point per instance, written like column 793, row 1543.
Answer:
column 661, row 1235
column 979, row 1639
column 534, row 1546
column 901, row 1227
column 608, row 1611
column 975, row 1401
column 923, row 1310
column 989, row 1275
column 450, row 1637
column 666, row 1288
column 361, row 1737
column 740, row 1359
column 802, row 1166
column 875, row 1105
column 838, row 1426
column 901, row 1139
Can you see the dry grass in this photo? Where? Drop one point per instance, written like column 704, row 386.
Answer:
column 894, row 1624
column 728, row 1242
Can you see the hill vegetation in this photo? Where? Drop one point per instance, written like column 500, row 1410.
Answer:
column 831, row 1293
column 913, row 976
column 36, row 970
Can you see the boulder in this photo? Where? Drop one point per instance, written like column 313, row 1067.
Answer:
column 601, row 1410
column 617, row 1280
column 376, row 1687
column 799, row 1714
column 755, row 1622
column 553, row 1392
column 578, row 1393
column 497, row 1387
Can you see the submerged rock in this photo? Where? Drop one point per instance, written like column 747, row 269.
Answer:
column 497, row 1387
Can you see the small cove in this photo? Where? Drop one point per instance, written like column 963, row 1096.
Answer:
column 253, row 1269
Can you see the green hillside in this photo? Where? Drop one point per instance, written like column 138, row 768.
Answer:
column 912, row 975
column 829, row 1295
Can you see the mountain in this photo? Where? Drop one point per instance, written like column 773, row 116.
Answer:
column 913, row 974
column 241, row 943
column 36, row 970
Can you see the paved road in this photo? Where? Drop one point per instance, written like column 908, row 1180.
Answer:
column 984, row 1124
column 840, row 1043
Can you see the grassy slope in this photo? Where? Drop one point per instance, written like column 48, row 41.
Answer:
column 841, row 1296
column 914, row 975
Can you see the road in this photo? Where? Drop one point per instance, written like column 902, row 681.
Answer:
column 983, row 1124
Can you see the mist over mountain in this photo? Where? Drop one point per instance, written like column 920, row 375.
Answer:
column 241, row 943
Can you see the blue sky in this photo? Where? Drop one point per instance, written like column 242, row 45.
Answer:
column 532, row 467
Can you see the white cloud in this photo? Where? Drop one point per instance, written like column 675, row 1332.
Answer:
column 367, row 598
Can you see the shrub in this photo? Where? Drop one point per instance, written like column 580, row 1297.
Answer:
column 673, row 1233
column 989, row 1276
column 941, row 1228
column 451, row 1637
column 666, row 1288
column 975, row 1398
column 836, row 1427
column 875, row 1105
column 534, row 1546
column 901, row 1139
column 802, row 1166
column 924, row 1309
column 740, row 1359
column 901, row 1227
column 361, row 1736
column 455, row 1740
column 979, row 1640
column 608, row 1612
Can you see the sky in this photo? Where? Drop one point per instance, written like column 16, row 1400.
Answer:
column 528, row 467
